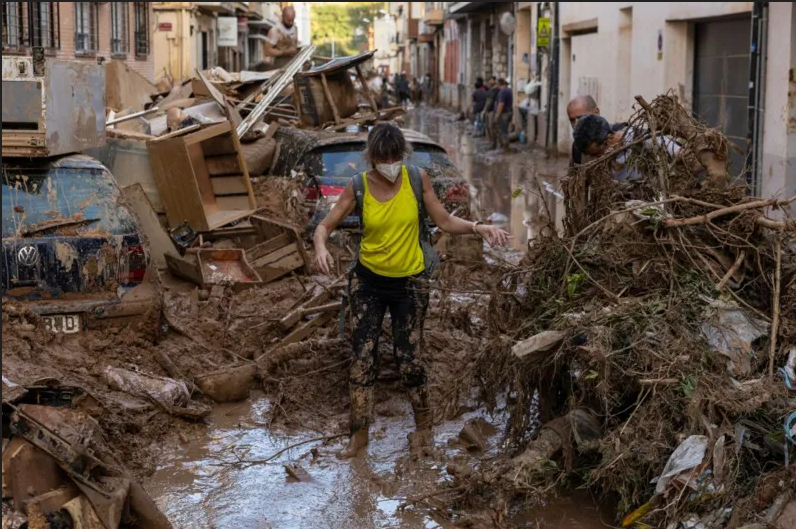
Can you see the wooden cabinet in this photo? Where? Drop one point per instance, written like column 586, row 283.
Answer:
column 202, row 178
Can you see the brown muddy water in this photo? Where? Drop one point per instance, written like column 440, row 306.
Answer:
column 495, row 176
column 197, row 486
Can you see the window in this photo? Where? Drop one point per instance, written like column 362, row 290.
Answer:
column 141, row 29
column 31, row 24
column 45, row 27
column 13, row 30
column 86, row 27
column 120, row 41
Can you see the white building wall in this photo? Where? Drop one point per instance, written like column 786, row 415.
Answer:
column 646, row 73
column 778, row 169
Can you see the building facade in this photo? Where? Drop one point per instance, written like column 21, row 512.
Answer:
column 201, row 35
column 731, row 63
column 82, row 31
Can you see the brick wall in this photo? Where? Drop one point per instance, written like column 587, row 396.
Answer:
column 67, row 30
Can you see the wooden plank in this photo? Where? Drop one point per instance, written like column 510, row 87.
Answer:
column 228, row 185
column 178, row 190
column 367, row 91
column 358, row 121
column 186, row 268
column 201, row 177
column 281, row 268
column 276, row 255
column 244, row 167
column 159, row 241
column 269, row 228
column 177, row 133
column 219, row 219
column 33, row 472
column 329, row 98
column 219, row 129
column 293, row 317
column 235, row 202
column 268, row 246
column 227, row 164
column 306, row 330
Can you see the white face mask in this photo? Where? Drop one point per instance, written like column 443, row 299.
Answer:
column 390, row 171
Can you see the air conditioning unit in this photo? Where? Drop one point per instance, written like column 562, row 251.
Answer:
column 52, row 106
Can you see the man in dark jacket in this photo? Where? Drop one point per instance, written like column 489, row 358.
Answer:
column 479, row 103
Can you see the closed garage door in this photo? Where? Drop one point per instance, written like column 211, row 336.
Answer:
column 721, row 80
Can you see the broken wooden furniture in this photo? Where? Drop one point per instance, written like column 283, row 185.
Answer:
column 326, row 93
column 208, row 267
column 280, row 252
column 202, row 178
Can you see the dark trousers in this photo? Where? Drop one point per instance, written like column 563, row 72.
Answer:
column 370, row 296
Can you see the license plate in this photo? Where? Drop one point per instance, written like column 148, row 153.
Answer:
column 62, row 323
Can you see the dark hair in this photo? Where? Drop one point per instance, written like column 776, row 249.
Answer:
column 502, row 82
column 492, row 78
column 386, row 142
column 589, row 129
column 479, row 82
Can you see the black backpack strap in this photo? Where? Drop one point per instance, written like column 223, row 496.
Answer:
column 358, row 182
column 429, row 253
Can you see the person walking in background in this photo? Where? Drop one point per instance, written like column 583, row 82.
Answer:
column 489, row 110
column 392, row 200
column 504, row 112
column 402, row 85
column 479, row 104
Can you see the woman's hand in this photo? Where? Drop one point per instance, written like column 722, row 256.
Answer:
column 493, row 235
column 322, row 259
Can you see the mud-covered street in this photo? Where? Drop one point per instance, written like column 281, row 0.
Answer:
column 198, row 483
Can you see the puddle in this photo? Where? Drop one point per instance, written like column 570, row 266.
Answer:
column 195, row 489
column 497, row 175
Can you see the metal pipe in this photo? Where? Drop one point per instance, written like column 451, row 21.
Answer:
column 131, row 116
column 761, row 97
column 555, row 66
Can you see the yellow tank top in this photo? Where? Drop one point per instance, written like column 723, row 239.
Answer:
column 390, row 245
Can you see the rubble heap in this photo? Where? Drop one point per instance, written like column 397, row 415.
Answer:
column 646, row 354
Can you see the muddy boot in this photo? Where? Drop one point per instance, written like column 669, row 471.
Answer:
column 361, row 412
column 422, row 438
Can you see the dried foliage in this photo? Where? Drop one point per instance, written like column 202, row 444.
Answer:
column 644, row 265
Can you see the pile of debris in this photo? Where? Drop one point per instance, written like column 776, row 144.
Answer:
column 190, row 161
column 650, row 353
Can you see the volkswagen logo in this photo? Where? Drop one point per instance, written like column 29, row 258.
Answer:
column 28, row 256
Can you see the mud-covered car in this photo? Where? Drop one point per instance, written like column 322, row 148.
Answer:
column 72, row 250
column 328, row 160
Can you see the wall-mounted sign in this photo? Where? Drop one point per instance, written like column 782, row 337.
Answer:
column 543, row 32
column 227, row 31
column 660, row 44
column 164, row 26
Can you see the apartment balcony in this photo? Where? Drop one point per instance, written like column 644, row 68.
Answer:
column 222, row 8
column 434, row 17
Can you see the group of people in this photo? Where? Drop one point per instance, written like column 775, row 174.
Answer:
column 594, row 136
column 413, row 90
column 493, row 109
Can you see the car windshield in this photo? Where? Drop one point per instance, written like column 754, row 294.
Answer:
column 60, row 201
column 346, row 160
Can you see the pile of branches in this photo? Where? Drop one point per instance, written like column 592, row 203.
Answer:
column 661, row 317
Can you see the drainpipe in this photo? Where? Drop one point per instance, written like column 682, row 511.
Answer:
column 554, row 66
column 757, row 74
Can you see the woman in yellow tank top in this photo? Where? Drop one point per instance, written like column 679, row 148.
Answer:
column 390, row 255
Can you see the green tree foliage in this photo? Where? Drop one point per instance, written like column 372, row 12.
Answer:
column 338, row 22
